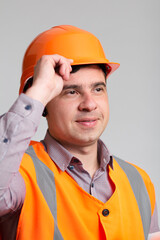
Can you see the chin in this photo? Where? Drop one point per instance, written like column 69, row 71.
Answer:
column 88, row 140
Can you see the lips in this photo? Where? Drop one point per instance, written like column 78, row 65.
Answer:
column 87, row 122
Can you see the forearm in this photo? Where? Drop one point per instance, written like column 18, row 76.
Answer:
column 17, row 127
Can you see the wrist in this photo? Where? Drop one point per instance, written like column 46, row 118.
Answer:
column 38, row 95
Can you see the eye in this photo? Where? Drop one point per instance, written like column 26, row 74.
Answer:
column 99, row 89
column 71, row 92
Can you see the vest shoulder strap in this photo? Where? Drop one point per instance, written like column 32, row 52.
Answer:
column 140, row 192
column 47, row 187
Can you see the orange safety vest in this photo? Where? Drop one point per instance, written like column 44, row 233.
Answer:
column 56, row 207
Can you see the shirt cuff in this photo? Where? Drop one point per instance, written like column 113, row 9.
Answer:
column 28, row 107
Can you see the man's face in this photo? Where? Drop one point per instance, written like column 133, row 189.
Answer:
column 79, row 115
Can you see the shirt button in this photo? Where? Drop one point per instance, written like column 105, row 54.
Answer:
column 105, row 212
column 5, row 140
column 28, row 107
column 71, row 167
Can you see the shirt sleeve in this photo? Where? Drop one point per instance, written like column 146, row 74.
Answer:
column 17, row 127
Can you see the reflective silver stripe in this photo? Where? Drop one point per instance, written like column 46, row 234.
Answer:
column 45, row 181
column 140, row 193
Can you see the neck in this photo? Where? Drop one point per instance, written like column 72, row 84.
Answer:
column 87, row 155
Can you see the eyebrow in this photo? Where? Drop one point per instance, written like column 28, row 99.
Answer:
column 99, row 84
column 75, row 86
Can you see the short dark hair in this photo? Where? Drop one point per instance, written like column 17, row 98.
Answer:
column 102, row 66
column 28, row 84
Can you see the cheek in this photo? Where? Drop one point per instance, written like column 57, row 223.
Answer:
column 106, row 112
column 56, row 109
column 61, row 115
column 107, row 107
column 104, row 106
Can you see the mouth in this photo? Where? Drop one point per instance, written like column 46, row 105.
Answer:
column 87, row 122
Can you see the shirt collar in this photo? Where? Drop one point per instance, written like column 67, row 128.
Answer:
column 62, row 157
column 104, row 155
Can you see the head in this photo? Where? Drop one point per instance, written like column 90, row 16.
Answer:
column 80, row 113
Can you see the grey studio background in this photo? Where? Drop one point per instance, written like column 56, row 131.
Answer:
column 130, row 34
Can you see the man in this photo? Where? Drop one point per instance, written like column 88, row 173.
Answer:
column 68, row 186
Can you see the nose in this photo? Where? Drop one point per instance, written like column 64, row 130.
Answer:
column 87, row 103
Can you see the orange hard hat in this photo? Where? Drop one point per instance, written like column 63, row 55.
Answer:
column 68, row 41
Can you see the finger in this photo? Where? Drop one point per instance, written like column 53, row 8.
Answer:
column 65, row 68
column 62, row 69
column 61, row 64
column 69, row 68
column 70, row 60
column 59, row 60
column 67, row 72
